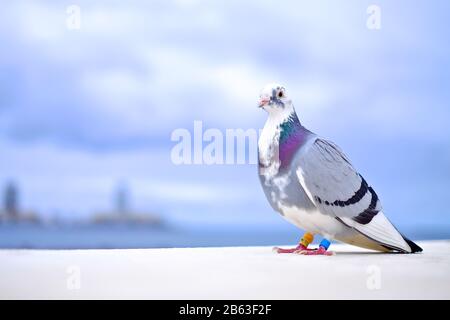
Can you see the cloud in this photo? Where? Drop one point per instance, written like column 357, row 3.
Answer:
column 133, row 73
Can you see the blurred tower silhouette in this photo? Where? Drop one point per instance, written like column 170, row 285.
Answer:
column 11, row 200
column 122, row 212
column 121, row 198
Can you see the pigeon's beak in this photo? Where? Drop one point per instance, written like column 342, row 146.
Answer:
column 263, row 101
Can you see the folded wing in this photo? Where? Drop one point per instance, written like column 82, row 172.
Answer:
column 337, row 189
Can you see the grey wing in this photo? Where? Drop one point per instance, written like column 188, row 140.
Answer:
column 337, row 189
column 333, row 184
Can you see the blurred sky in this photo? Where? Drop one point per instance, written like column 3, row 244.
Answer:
column 83, row 109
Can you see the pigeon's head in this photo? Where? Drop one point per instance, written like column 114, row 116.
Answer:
column 274, row 99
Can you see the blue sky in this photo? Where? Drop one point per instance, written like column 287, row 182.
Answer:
column 82, row 109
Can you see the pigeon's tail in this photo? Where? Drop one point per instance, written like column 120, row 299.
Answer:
column 414, row 247
column 383, row 232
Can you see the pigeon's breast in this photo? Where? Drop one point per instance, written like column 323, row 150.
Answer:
column 287, row 196
column 283, row 190
column 278, row 178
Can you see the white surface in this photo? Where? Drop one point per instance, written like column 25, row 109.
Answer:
column 225, row 273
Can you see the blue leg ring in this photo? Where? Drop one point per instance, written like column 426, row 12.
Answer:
column 325, row 244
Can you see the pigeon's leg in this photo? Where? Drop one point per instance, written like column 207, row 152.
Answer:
column 302, row 246
column 322, row 250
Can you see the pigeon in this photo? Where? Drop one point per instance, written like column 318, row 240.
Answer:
column 313, row 185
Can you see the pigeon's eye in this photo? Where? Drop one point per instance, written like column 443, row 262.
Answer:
column 280, row 94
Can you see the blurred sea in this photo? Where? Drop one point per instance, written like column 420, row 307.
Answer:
column 137, row 236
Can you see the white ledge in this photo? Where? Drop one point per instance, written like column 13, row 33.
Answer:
column 225, row 273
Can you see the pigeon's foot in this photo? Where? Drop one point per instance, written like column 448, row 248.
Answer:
column 297, row 249
column 302, row 246
column 321, row 251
